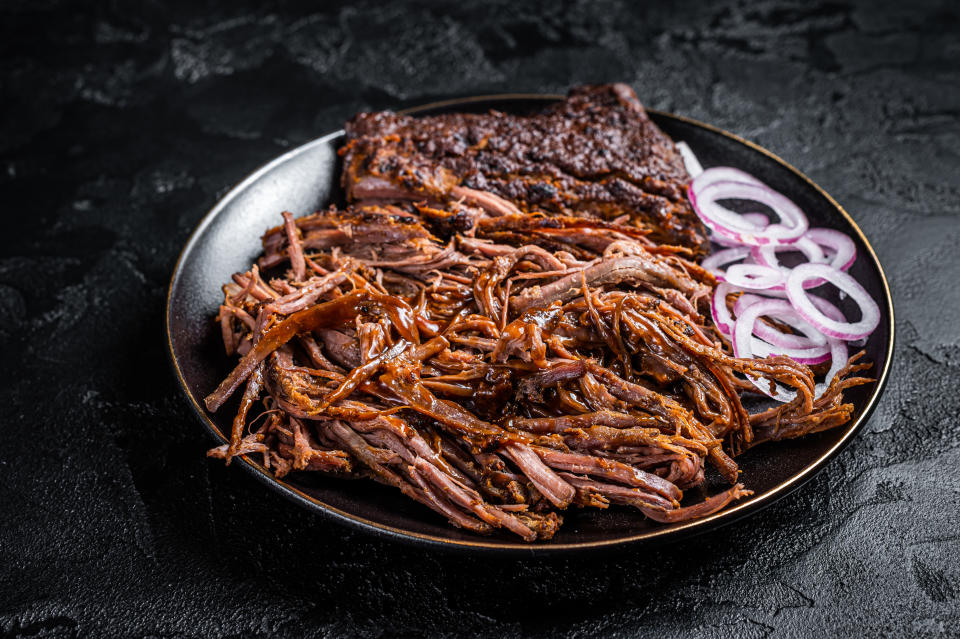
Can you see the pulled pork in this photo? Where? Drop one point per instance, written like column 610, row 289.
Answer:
column 497, row 369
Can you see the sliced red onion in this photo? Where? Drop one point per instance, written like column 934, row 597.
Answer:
column 718, row 309
column 809, row 338
column 870, row 312
column 690, row 160
column 822, row 328
column 725, row 183
column 724, row 242
column 844, row 250
column 777, row 291
column 724, row 257
column 767, row 255
column 743, row 342
column 754, row 276
column 760, row 220
column 827, row 308
column 840, row 355
column 743, row 330
column 745, row 300
column 838, row 348
column 808, row 356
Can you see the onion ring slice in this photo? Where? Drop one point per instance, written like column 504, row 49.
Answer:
column 870, row 312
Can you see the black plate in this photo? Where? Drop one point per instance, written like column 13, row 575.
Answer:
column 306, row 179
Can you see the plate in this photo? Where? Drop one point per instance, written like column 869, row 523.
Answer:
column 306, row 179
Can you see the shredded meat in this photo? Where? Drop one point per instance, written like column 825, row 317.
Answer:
column 494, row 364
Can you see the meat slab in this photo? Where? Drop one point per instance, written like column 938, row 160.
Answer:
column 595, row 154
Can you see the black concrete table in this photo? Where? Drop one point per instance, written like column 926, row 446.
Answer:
column 122, row 126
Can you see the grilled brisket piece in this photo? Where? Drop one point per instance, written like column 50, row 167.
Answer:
column 596, row 154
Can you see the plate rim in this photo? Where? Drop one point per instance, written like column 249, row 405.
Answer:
column 712, row 522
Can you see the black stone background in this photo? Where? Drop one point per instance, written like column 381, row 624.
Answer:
column 122, row 123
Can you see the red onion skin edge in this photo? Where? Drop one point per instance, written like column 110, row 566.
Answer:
column 742, row 344
column 794, row 222
column 776, row 338
column 721, row 318
column 800, row 349
column 809, row 311
column 755, row 276
column 848, row 243
column 724, row 257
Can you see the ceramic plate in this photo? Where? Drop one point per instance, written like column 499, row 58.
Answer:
column 307, row 178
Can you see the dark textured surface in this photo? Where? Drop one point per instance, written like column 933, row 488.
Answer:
column 120, row 128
